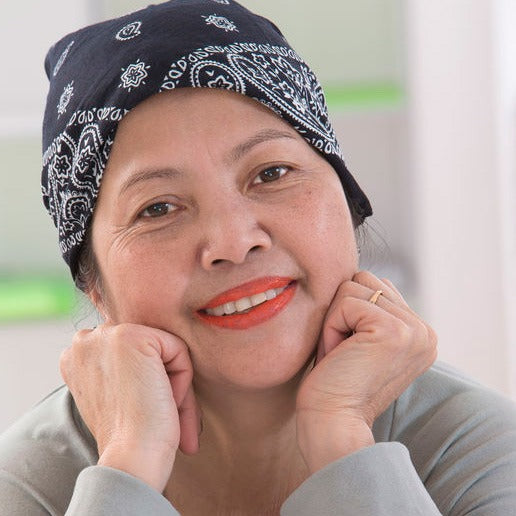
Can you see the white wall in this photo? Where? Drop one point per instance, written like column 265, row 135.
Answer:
column 461, row 119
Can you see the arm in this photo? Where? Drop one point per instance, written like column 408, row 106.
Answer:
column 99, row 491
column 103, row 491
column 452, row 451
column 370, row 350
column 379, row 480
column 462, row 441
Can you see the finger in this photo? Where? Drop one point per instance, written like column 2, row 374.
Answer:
column 176, row 359
column 394, row 289
column 386, row 300
column 189, row 423
column 357, row 315
column 320, row 350
column 369, row 280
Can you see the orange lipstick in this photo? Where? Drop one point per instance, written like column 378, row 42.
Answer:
column 253, row 315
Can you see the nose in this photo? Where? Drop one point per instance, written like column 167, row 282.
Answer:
column 232, row 231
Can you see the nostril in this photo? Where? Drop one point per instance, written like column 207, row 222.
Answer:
column 254, row 248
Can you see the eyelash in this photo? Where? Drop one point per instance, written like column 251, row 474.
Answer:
column 276, row 167
column 143, row 214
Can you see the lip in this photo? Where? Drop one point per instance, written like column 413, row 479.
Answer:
column 248, row 289
column 258, row 314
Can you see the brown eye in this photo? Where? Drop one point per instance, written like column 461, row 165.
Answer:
column 271, row 174
column 158, row 209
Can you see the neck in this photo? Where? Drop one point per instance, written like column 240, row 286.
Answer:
column 244, row 416
column 248, row 446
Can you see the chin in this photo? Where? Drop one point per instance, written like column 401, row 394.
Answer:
column 257, row 368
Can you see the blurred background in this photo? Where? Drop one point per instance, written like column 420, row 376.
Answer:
column 423, row 97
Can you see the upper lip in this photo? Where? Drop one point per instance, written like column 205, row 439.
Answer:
column 248, row 289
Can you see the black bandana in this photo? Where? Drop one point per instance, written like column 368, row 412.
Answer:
column 99, row 73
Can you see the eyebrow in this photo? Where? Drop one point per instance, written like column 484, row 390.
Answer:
column 263, row 136
column 236, row 153
column 146, row 175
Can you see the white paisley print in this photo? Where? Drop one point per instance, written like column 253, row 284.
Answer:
column 133, row 76
column 129, row 31
column 220, row 22
column 274, row 75
column 65, row 98
column 284, row 81
column 62, row 58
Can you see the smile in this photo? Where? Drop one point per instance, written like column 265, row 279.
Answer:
column 265, row 298
column 243, row 304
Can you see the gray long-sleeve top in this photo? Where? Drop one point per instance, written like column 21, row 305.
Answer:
column 446, row 446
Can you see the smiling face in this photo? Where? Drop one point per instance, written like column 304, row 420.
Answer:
column 209, row 203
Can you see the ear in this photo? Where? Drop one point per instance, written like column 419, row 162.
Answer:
column 97, row 300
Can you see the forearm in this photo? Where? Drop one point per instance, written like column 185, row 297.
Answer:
column 325, row 438
column 150, row 466
column 103, row 490
column 377, row 480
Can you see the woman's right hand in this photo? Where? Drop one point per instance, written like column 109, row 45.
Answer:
column 133, row 387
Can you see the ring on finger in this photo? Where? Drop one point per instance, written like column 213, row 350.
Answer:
column 374, row 298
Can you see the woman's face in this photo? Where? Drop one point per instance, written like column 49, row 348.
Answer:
column 209, row 202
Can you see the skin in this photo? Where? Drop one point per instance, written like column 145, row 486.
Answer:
column 265, row 411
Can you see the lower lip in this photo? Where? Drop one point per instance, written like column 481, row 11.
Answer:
column 257, row 315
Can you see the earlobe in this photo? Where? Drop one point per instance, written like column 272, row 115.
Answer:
column 97, row 301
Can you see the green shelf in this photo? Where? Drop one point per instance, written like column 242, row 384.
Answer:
column 340, row 97
column 28, row 298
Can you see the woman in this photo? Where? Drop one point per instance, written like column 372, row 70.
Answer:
column 245, row 365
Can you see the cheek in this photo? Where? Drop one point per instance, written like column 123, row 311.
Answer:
column 324, row 231
column 146, row 283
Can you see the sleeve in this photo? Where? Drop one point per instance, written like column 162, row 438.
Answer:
column 99, row 491
column 19, row 501
column 376, row 481
column 105, row 491
column 450, row 449
column 465, row 453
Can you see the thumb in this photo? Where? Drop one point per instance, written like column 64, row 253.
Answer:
column 190, row 423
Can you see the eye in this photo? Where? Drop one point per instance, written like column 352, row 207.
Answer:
column 158, row 209
column 271, row 174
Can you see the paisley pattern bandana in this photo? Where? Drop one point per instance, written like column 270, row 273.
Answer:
column 99, row 73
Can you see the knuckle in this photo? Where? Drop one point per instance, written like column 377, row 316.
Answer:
column 346, row 289
column 64, row 362
column 345, row 305
column 361, row 276
column 117, row 332
column 428, row 337
column 403, row 332
column 80, row 336
column 387, row 281
column 421, row 331
column 432, row 337
column 120, row 336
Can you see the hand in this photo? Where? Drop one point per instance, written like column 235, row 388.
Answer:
column 367, row 355
column 132, row 386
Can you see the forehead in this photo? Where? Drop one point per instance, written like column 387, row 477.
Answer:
column 180, row 123
column 195, row 108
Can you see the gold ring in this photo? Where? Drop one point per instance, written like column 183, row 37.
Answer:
column 374, row 298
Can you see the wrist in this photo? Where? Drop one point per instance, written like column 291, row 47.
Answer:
column 325, row 438
column 152, row 466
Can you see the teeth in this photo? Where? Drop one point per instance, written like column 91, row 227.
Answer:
column 258, row 299
column 229, row 308
column 219, row 310
column 243, row 304
column 270, row 294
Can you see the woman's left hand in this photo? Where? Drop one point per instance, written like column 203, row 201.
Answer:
column 368, row 354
